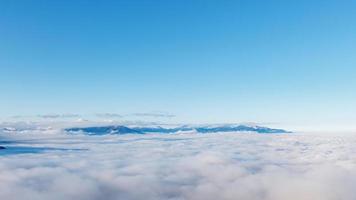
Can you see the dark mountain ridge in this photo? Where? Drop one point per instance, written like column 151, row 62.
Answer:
column 104, row 130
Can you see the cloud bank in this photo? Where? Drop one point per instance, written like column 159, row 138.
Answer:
column 183, row 166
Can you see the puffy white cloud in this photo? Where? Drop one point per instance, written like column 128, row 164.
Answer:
column 183, row 166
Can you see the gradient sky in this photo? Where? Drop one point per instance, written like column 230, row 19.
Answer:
column 283, row 62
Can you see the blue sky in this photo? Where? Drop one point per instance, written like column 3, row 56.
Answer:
column 203, row 61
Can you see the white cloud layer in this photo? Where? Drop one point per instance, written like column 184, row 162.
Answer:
column 186, row 166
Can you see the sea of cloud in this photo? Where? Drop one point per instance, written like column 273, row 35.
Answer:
column 236, row 166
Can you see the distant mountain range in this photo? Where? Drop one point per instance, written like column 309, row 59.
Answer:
column 104, row 130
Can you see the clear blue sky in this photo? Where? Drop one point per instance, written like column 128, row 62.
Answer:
column 204, row 61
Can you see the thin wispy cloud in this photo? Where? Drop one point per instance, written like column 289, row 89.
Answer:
column 57, row 116
column 155, row 115
column 108, row 115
